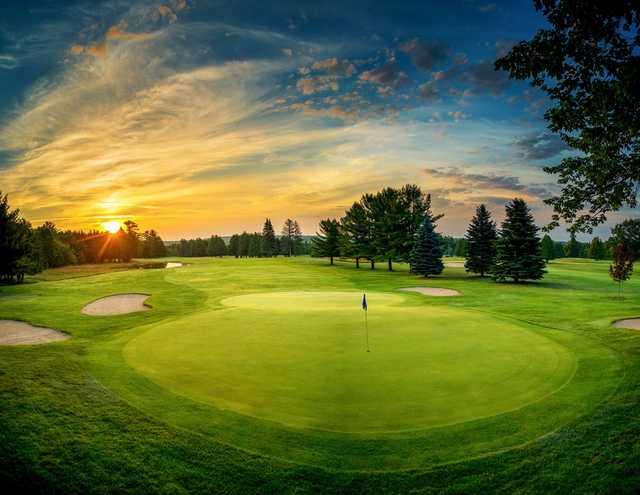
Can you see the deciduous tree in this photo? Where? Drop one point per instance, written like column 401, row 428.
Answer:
column 588, row 63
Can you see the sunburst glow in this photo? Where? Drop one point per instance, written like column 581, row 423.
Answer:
column 111, row 227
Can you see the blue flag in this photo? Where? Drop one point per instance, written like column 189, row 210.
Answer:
column 364, row 302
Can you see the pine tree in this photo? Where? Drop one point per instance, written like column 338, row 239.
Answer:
column 481, row 242
column 356, row 236
column 572, row 247
column 268, row 239
column 291, row 237
column 15, row 243
column 547, row 248
column 327, row 242
column 518, row 246
column 597, row 249
column 426, row 256
column 622, row 266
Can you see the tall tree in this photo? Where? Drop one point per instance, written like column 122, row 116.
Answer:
column 628, row 232
column 255, row 245
column 588, row 63
column 481, row 242
column 426, row 256
column 15, row 243
column 130, row 249
column 558, row 249
column 291, row 237
column 518, row 246
column 268, row 247
column 234, row 245
column 547, row 248
column 389, row 234
column 572, row 247
column 597, row 249
column 622, row 266
column 356, row 239
column 326, row 244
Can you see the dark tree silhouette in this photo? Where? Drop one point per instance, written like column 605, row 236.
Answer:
column 588, row 63
column 268, row 246
column 326, row 244
column 356, row 239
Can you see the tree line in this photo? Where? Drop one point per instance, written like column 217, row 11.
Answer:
column 398, row 225
column 263, row 244
column 28, row 250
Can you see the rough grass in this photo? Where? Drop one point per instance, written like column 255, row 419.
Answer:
column 77, row 419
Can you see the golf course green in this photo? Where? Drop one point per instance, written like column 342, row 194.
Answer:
column 260, row 367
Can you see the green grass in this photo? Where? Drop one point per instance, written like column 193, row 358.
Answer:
column 251, row 376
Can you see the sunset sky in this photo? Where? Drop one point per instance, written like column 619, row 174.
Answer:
column 196, row 117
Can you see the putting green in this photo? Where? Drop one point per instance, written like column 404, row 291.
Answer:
column 298, row 358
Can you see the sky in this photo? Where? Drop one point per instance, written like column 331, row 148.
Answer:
column 200, row 117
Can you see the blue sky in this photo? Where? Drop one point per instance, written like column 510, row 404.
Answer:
column 199, row 117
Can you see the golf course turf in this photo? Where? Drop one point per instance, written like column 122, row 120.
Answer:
column 252, row 375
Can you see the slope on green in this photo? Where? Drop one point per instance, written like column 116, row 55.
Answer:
column 299, row 358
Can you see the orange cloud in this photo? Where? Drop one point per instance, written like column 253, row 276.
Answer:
column 116, row 33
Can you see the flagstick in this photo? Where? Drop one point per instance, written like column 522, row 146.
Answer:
column 366, row 328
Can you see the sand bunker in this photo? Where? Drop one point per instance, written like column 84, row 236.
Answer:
column 434, row 291
column 173, row 264
column 20, row 333
column 118, row 304
column 631, row 323
column 454, row 264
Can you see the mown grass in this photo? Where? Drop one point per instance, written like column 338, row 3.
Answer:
column 76, row 419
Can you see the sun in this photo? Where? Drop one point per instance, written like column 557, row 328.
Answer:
column 111, row 227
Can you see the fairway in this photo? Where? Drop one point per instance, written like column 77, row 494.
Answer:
column 299, row 358
column 261, row 365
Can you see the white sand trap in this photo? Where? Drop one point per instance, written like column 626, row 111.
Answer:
column 20, row 333
column 118, row 304
column 173, row 264
column 454, row 264
column 631, row 323
column 434, row 291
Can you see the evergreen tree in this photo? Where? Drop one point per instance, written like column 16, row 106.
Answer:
column 387, row 211
column 234, row 245
column 558, row 249
column 15, row 243
column 326, row 244
column 255, row 245
column 572, row 247
column 547, row 248
column 268, row 247
column 243, row 245
column 622, row 266
column 132, row 240
column 460, row 248
column 291, row 237
column 518, row 246
column 481, row 242
column 426, row 256
column 414, row 206
column 356, row 241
